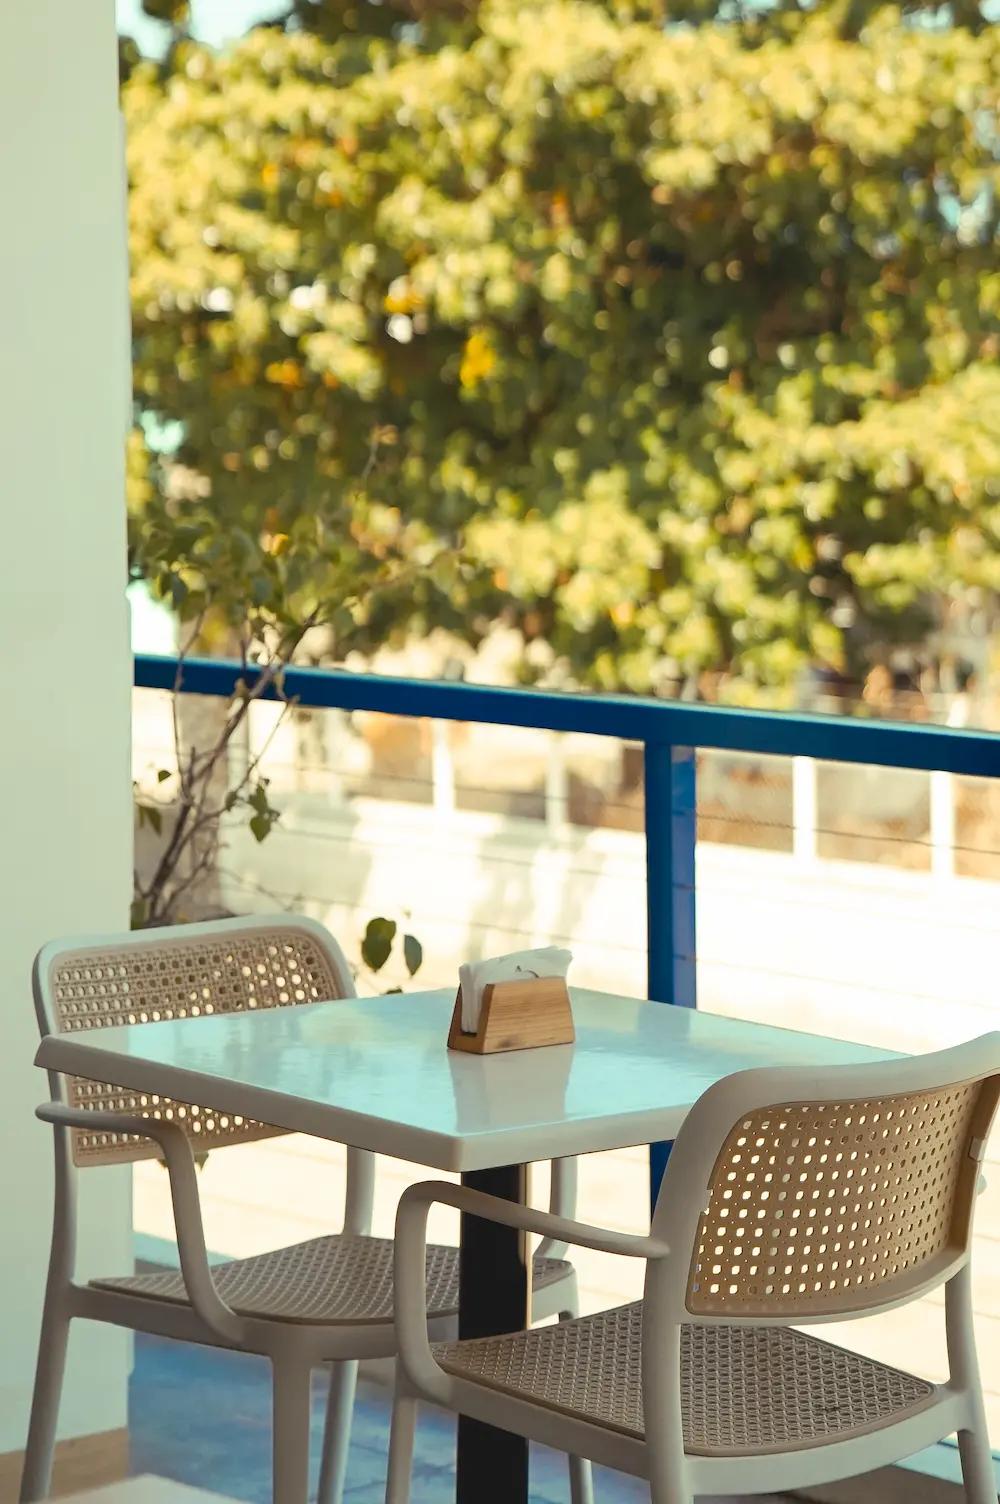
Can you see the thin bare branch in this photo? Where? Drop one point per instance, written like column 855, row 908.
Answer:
column 282, row 900
column 194, row 817
column 258, row 758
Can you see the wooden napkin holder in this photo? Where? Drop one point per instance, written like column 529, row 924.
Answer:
column 518, row 1015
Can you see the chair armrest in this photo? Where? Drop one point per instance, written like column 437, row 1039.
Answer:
column 201, row 1287
column 410, row 1253
column 510, row 1214
column 562, row 1203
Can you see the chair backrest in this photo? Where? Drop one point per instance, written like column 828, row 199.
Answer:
column 807, row 1195
column 185, row 971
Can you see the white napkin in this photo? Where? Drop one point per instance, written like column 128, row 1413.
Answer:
column 474, row 976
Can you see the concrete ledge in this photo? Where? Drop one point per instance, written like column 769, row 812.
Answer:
column 147, row 1490
column 82, row 1462
column 888, row 1485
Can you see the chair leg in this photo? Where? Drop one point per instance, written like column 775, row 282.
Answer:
column 36, row 1475
column 337, row 1432
column 581, row 1476
column 666, row 1462
column 401, row 1439
column 978, row 1470
column 581, row 1481
column 292, row 1380
column 978, row 1473
column 665, row 1487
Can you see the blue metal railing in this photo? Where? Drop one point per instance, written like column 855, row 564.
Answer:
column 629, row 718
column 670, row 732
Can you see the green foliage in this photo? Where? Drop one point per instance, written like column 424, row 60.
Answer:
column 376, row 947
column 413, row 954
column 176, row 12
column 264, row 816
column 378, row 943
column 149, row 814
column 687, row 334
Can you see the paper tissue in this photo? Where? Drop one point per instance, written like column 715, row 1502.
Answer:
column 513, row 1002
column 519, row 966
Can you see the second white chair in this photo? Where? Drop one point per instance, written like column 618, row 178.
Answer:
column 325, row 1301
column 791, row 1197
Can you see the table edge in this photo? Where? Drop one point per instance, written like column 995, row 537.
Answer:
column 440, row 1151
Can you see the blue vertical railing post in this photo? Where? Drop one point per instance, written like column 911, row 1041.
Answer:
column 671, row 827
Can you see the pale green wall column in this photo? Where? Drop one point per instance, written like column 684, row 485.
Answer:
column 65, row 816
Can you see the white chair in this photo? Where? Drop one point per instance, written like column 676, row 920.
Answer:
column 328, row 1300
column 790, row 1196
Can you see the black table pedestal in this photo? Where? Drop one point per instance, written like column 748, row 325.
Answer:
column 495, row 1295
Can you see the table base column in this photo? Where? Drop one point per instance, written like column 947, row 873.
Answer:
column 495, row 1295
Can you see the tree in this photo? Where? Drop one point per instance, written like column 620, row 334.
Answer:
column 671, row 340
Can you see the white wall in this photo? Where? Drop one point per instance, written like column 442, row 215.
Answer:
column 65, row 829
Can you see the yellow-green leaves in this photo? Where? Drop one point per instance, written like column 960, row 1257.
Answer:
column 685, row 334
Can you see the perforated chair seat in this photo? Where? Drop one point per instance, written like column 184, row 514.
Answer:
column 745, row 1389
column 325, row 1281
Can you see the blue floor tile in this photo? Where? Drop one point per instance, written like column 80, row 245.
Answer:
column 203, row 1417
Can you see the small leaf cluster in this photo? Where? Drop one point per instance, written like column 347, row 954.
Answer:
column 378, row 943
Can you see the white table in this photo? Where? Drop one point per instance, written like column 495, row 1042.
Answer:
column 376, row 1073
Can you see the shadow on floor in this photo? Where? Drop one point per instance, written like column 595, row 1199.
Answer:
column 203, row 1417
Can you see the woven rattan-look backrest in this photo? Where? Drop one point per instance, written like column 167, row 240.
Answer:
column 187, row 971
column 819, row 1208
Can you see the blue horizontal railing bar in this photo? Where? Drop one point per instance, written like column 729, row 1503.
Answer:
column 639, row 719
